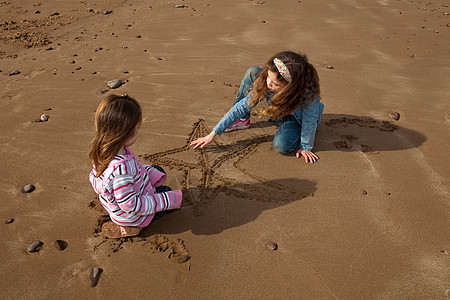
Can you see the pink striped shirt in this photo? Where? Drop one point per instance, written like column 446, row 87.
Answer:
column 126, row 190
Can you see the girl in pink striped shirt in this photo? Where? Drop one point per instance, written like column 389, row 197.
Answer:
column 132, row 193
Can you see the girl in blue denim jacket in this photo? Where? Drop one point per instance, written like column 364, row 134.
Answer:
column 289, row 86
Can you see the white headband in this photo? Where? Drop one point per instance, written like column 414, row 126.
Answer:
column 282, row 69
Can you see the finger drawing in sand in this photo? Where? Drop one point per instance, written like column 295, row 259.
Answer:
column 132, row 193
column 219, row 170
column 289, row 91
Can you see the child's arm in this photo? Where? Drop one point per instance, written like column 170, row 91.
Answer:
column 157, row 178
column 310, row 120
column 131, row 202
column 239, row 110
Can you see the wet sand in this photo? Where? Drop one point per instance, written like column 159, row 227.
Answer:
column 368, row 221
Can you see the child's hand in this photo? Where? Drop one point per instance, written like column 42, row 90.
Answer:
column 202, row 142
column 308, row 155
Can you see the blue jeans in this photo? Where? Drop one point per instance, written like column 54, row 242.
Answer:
column 246, row 83
column 287, row 138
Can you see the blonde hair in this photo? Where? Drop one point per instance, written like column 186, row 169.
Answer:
column 301, row 91
column 116, row 121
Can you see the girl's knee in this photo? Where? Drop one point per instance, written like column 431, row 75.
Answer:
column 283, row 147
column 253, row 72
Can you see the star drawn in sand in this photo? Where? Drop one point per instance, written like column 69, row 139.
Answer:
column 217, row 169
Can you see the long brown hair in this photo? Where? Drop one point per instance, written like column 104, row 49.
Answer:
column 301, row 91
column 116, row 121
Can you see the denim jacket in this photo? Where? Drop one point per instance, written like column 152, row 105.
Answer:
column 307, row 117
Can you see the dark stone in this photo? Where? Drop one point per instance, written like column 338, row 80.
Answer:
column 95, row 275
column 107, row 12
column 330, row 67
column 27, row 188
column 54, row 14
column 364, row 192
column 14, row 72
column 9, row 221
column 180, row 6
column 114, row 84
column 272, row 246
column 35, row 246
column 394, row 116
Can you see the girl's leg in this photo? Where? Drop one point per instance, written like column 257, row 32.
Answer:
column 159, row 169
column 247, row 82
column 287, row 138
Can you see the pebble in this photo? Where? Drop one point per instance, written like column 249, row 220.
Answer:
column 180, row 6
column 59, row 244
column 95, row 275
column 14, row 72
column 104, row 91
column 37, row 12
column 78, row 68
column 114, row 84
column 35, row 246
column 125, row 47
column 44, row 118
column 394, row 115
column 9, row 221
column 330, row 67
column 272, row 246
column 54, row 14
column 107, row 12
column 28, row 188
column 364, row 192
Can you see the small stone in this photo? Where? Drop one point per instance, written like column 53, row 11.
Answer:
column 330, row 67
column 272, row 246
column 444, row 252
column 9, row 221
column 394, row 115
column 50, row 48
column 54, row 14
column 44, row 118
column 95, row 275
column 125, row 47
column 104, row 91
column 364, row 192
column 139, row 36
column 37, row 12
column 180, row 6
column 114, row 84
column 35, row 246
column 78, row 68
column 89, row 10
column 261, row 2
column 107, row 12
column 126, row 72
column 412, row 56
column 59, row 244
column 14, row 72
column 94, row 72
column 28, row 189
column 387, row 193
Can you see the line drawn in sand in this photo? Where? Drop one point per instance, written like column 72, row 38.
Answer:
column 218, row 169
